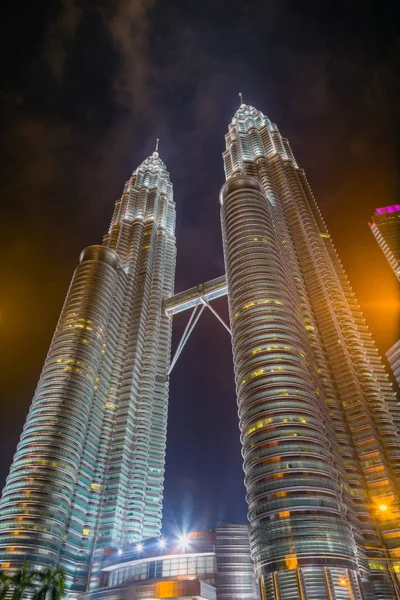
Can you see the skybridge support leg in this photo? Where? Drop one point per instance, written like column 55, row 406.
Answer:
column 214, row 312
column 186, row 334
column 201, row 304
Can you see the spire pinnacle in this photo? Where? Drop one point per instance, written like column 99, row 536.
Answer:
column 155, row 153
column 241, row 98
column 157, row 144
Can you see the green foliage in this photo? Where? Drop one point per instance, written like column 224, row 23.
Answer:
column 52, row 584
column 22, row 581
column 48, row 585
column 5, row 585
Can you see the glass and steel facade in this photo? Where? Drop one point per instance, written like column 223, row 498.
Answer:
column 235, row 570
column 385, row 226
column 89, row 468
column 319, row 420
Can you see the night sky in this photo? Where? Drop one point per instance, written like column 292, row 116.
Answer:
column 86, row 89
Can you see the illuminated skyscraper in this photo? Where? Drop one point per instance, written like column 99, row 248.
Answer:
column 319, row 420
column 89, row 468
column 393, row 356
column 385, row 225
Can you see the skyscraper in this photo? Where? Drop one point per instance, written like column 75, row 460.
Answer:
column 385, row 225
column 393, row 356
column 319, row 420
column 89, row 468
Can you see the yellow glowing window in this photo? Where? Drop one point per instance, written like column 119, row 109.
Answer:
column 284, row 514
column 168, row 589
column 291, row 561
column 5, row 565
column 257, row 373
column 325, row 235
column 85, row 531
column 95, row 486
column 110, row 405
column 389, row 536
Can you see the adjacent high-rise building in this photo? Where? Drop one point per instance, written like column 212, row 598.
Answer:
column 89, row 468
column 393, row 356
column 319, row 420
column 385, row 225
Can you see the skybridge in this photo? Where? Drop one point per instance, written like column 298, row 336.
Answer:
column 195, row 299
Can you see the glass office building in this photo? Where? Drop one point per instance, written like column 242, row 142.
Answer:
column 319, row 420
column 89, row 468
column 385, row 225
column 393, row 356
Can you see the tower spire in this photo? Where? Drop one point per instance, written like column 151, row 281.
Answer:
column 155, row 153
column 241, row 98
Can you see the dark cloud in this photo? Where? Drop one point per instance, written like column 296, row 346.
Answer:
column 88, row 87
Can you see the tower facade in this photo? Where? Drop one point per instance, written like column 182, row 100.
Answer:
column 319, row 420
column 385, row 226
column 89, row 468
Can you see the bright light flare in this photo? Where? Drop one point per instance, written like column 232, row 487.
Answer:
column 183, row 541
column 139, row 547
column 162, row 543
column 383, row 507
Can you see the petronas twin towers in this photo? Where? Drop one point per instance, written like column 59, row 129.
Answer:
column 318, row 418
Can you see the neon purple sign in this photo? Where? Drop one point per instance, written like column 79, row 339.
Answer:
column 388, row 209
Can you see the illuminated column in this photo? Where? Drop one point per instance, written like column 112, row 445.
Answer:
column 39, row 490
column 235, row 569
column 298, row 519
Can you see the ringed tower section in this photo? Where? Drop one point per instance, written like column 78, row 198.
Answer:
column 315, row 405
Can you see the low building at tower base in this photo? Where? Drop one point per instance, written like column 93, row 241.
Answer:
column 207, row 565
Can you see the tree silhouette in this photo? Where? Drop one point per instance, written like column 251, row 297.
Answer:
column 52, row 584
